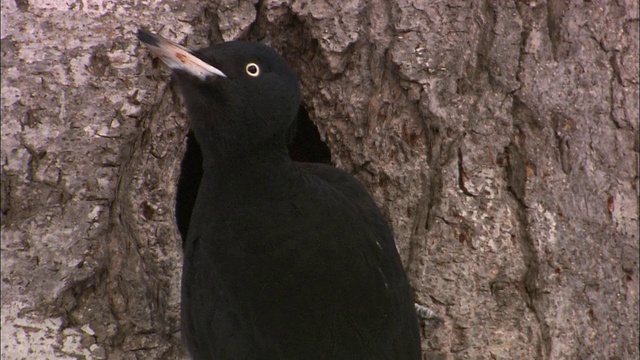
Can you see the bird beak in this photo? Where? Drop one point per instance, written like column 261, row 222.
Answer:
column 177, row 57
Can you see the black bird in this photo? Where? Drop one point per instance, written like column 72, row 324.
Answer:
column 283, row 260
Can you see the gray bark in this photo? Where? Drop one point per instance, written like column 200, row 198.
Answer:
column 499, row 138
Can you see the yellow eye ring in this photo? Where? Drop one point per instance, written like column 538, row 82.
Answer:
column 252, row 69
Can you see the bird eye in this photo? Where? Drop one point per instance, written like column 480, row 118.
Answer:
column 252, row 69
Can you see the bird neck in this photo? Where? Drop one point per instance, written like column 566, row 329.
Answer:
column 267, row 173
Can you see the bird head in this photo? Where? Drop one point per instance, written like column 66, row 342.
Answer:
column 241, row 97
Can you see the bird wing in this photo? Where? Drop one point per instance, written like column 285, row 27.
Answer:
column 319, row 275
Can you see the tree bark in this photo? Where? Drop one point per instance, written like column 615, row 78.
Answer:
column 499, row 138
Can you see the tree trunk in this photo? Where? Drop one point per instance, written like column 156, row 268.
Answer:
column 499, row 138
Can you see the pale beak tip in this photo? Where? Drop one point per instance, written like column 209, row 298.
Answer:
column 177, row 56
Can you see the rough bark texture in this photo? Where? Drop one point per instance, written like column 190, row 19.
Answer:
column 500, row 138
